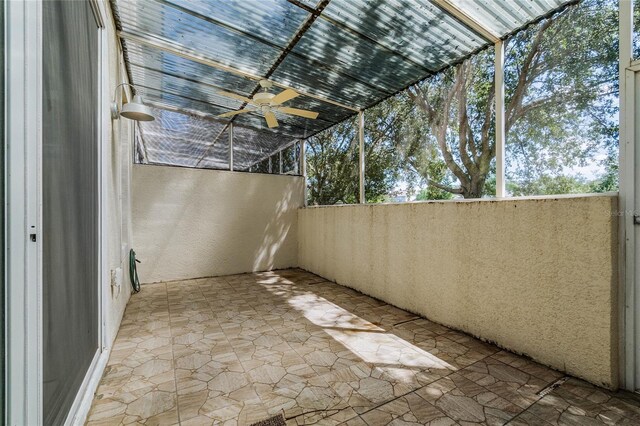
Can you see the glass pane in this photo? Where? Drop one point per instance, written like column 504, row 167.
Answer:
column 332, row 165
column 561, row 83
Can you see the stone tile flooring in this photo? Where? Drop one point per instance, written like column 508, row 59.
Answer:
column 238, row 349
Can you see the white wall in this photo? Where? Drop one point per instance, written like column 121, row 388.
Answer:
column 116, row 174
column 537, row 276
column 190, row 223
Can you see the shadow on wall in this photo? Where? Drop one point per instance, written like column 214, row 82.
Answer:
column 276, row 231
column 195, row 223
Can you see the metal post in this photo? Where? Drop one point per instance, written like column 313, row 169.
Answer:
column 280, row 160
column 627, row 203
column 361, row 154
column 270, row 165
column 303, row 167
column 500, row 119
column 231, row 146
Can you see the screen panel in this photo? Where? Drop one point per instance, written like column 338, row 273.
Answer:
column 70, row 202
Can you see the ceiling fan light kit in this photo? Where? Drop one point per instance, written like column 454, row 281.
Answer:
column 267, row 102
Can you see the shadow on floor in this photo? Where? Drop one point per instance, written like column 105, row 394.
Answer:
column 238, row 349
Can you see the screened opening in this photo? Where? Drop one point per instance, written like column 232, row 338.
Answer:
column 332, row 165
column 561, row 103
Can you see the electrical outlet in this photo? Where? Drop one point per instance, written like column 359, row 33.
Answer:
column 116, row 280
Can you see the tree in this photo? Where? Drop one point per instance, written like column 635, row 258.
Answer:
column 332, row 165
column 561, row 85
column 438, row 136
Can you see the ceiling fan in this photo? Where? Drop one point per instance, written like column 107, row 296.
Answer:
column 267, row 103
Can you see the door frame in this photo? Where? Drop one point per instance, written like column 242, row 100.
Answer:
column 23, row 166
column 629, row 231
column 23, row 207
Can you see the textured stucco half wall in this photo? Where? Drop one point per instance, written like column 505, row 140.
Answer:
column 536, row 276
column 190, row 223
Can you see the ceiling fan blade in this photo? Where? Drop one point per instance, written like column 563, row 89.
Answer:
column 299, row 112
column 234, row 96
column 232, row 113
column 271, row 119
column 284, row 96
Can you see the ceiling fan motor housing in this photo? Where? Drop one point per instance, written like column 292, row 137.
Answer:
column 263, row 98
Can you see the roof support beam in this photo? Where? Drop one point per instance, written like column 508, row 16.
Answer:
column 243, row 33
column 467, row 19
column 183, row 52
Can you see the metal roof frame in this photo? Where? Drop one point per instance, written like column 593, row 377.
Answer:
column 162, row 42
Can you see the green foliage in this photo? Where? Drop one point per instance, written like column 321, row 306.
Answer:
column 437, row 139
column 550, row 185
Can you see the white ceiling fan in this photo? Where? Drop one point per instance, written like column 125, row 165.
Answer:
column 267, row 103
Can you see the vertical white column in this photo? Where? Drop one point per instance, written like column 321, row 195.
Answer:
column 500, row 119
column 626, row 200
column 303, row 166
column 361, row 154
column 23, row 215
column 231, row 146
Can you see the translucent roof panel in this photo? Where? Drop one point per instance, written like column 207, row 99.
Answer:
column 356, row 57
column 504, row 17
column 273, row 20
column 298, row 72
column 172, row 64
column 340, row 55
column 417, row 30
column 214, row 41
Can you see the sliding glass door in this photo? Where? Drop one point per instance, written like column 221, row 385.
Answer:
column 70, row 202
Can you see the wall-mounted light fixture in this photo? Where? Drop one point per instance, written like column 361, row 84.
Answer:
column 134, row 110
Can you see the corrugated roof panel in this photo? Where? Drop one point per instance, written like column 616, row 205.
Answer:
column 182, row 102
column 273, row 20
column 417, row 29
column 504, row 17
column 197, row 97
column 357, row 52
column 213, row 41
column 177, row 65
column 358, row 58
column 294, row 71
column 182, row 87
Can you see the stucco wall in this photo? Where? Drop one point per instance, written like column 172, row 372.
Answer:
column 536, row 276
column 190, row 223
column 116, row 177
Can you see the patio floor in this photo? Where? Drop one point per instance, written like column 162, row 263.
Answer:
column 238, row 349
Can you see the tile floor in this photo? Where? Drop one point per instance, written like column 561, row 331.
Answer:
column 238, row 349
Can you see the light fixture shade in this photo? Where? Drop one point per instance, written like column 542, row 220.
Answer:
column 137, row 110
